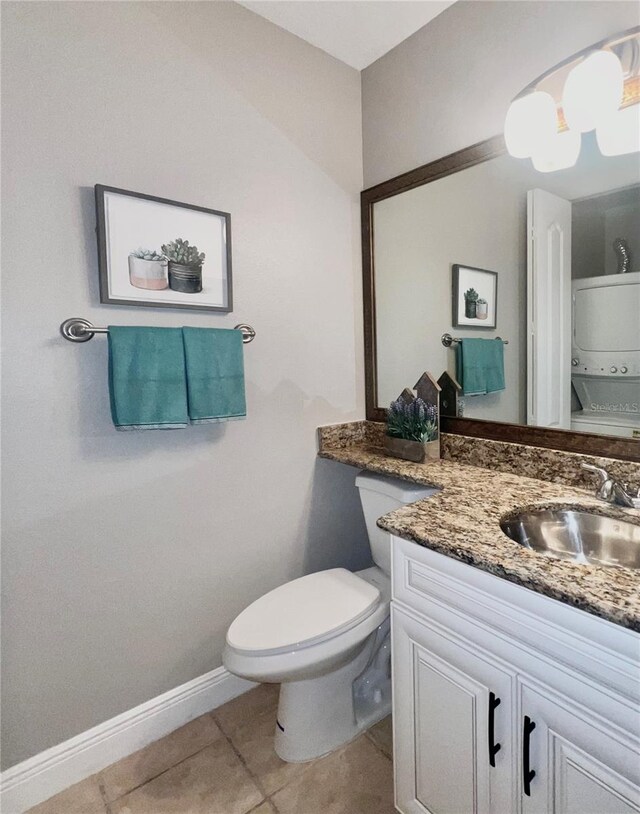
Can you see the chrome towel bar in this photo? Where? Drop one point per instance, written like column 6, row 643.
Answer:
column 448, row 340
column 77, row 329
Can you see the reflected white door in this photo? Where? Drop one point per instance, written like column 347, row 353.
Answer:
column 548, row 310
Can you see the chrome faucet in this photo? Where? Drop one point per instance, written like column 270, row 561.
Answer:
column 612, row 490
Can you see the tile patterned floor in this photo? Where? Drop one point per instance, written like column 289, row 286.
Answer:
column 224, row 763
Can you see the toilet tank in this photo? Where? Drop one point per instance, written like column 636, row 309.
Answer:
column 380, row 495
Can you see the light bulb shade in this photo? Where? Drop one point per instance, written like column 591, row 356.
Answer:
column 592, row 91
column 620, row 133
column 531, row 122
column 559, row 154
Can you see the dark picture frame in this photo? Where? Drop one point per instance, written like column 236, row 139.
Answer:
column 177, row 274
column 480, row 312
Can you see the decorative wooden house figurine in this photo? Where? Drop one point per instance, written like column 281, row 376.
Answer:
column 407, row 396
column 449, row 396
column 413, row 422
column 428, row 389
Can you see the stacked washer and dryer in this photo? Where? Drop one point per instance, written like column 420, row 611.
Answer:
column 605, row 352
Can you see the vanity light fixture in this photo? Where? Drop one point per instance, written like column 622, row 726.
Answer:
column 597, row 89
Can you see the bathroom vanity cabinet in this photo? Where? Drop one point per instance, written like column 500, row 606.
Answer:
column 507, row 701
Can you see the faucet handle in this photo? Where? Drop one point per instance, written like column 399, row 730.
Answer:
column 605, row 490
column 604, row 475
column 612, row 490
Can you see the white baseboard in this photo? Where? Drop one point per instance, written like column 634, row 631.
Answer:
column 40, row 777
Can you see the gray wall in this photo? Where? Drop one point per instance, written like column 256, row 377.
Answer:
column 450, row 84
column 624, row 222
column 587, row 243
column 125, row 556
column 597, row 222
column 477, row 217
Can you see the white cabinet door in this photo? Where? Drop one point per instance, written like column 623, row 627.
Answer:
column 581, row 765
column 452, row 720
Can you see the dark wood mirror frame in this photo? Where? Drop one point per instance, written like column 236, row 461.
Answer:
column 580, row 442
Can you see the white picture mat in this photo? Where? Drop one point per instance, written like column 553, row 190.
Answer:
column 486, row 285
column 133, row 223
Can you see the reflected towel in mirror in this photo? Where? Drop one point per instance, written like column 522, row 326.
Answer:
column 480, row 366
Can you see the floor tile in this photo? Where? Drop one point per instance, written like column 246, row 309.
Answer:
column 246, row 707
column 254, row 741
column 195, row 770
column 264, row 808
column 212, row 782
column 357, row 779
column 382, row 735
column 83, row 798
column 147, row 763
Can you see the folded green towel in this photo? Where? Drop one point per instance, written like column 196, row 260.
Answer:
column 215, row 374
column 480, row 366
column 147, row 381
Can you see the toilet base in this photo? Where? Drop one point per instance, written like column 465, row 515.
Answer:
column 318, row 715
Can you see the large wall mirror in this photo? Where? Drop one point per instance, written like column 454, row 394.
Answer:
column 563, row 299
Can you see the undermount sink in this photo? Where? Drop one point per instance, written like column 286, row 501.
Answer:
column 570, row 534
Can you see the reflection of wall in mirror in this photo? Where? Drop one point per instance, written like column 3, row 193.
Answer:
column 596, row 223
column 476, row 217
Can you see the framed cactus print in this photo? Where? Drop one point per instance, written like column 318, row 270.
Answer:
column 162, row 253
column 475, row 297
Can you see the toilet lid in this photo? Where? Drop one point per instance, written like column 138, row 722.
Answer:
column 303, row 612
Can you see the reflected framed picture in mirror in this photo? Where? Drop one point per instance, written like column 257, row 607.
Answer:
column 475, row 297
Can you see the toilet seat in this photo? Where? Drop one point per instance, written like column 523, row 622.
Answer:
column 303, row 612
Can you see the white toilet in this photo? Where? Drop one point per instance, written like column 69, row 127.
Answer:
column 325, row 639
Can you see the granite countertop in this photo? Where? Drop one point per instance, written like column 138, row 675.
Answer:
column 463, row 522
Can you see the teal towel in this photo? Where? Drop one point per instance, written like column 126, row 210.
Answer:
column 147, row 381
column 480, row 366
column 215, row 374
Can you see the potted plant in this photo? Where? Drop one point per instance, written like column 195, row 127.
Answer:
column 470, row 300
column 482, row 308
column 412, row 430
column 185, row 266
column 148, row 269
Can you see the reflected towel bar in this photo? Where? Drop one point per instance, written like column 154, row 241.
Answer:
column 448, row 340
column 77, row 329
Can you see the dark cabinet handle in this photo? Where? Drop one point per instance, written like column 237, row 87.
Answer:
column 527, row 773
column 494, row 748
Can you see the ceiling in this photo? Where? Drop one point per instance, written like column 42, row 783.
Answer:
column 354, row 31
